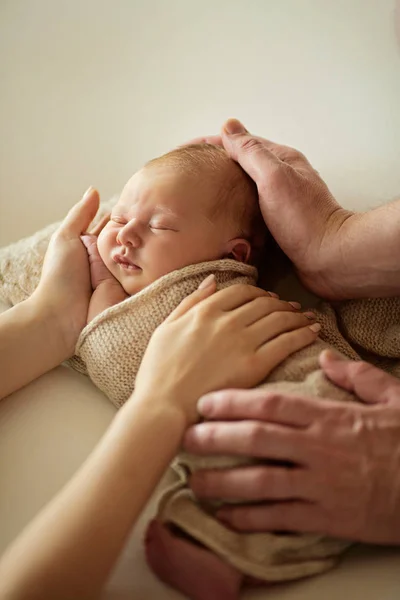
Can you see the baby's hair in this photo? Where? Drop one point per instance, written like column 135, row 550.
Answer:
column 236, row 193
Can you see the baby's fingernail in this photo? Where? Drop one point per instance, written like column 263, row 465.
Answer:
column 273, row 295
column 310, row 315
column 295, row 305
column 315, row 328
column 86, row 194
column 233, row 126
column 207, row 282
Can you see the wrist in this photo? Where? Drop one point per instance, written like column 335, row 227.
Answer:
column 56, row 324
column 156, row 406
column 336, row 269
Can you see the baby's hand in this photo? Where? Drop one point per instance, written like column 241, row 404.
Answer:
column 107, row 291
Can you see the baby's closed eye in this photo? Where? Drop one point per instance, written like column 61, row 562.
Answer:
column 161, row 227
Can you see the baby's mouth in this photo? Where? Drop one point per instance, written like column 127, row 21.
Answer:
column 125, row 263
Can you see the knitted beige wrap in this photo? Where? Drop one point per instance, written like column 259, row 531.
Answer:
column 110, row 349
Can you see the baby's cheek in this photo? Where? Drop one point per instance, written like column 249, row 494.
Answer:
column 104, row 245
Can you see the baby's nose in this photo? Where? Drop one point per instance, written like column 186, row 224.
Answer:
column 128, row 236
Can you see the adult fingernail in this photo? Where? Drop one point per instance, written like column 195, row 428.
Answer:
column 273, row 295
column 204, row 405
column 207, row 282
column 86, row 194
column 332, row 355
column 310, row 315
column 295, row 305
column 315, row 328
column 233, row 126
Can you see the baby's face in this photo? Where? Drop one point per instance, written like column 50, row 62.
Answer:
column 160, row 224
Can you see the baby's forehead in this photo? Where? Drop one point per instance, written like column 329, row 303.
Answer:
column 171, row 189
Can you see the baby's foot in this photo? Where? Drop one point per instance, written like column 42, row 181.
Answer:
column 192, row 569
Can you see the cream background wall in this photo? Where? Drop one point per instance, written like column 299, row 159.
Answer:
column 92, row 88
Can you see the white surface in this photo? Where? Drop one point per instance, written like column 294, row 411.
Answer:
column 92, row 88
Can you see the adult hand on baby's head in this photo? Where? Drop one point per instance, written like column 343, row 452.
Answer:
column 64, row 288
column 298, row 208
column 233, row 338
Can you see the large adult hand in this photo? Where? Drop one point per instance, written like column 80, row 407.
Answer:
column 297, row 206
column 235, row 337
column 64, row 288
column 346, row 479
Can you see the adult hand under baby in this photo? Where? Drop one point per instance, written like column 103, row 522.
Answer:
column 345, row 481
column 64, row 288
column 235, row 337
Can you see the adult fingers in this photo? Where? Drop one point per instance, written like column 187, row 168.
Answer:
column 248, row 438
column 258, row 404
column 258, row 154
column 294, row 515
column 368, row 383
column 277, row 323
column 205, row 289
column 235, row 296
column 100, row 225
column 225, row 300
column 272, row 352
column 81, row 215
column 252, row 483
column 249, row 151
column 261, row 306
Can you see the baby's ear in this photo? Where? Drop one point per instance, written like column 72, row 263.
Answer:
column 239, row 249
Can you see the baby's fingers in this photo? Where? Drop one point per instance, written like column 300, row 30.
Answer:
column 98, row 270
column 273, row 352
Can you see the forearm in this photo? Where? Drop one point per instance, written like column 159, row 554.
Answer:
column 31, row 343
column 71, row 547
column 367, row 258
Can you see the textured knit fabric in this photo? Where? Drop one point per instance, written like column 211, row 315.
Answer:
column 110, row 349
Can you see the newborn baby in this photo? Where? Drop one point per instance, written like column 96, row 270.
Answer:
column 192, row 205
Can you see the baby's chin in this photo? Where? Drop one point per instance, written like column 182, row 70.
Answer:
column 131, row 285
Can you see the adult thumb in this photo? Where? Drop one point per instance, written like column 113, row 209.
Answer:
column 81, row 214
column 249, row 151
column 368, row 383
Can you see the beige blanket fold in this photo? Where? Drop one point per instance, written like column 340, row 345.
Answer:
column 110, row 350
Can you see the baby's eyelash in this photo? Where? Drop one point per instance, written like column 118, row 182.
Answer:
column 119, row 220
